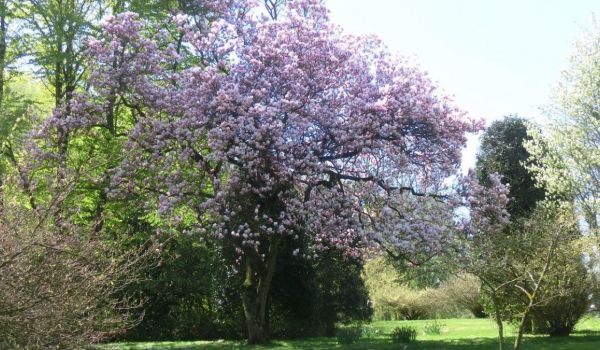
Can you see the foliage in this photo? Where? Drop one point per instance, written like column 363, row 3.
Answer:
column 11, row 43
column 404, row 334
column 569, row 164
column 369, row 331
column 311, row 296
column 503, row 151
column 554, row 226
column 434, row 328
column 411, row 304
column 391, row 299
column 531, row 268
column 62, row 290
column 55, row 41
column 348, row 335
column 568, row 146
column 558, row 316
column 187, row 295
column 394, row 298
column 566, row 294
column 506, row 148
column 247, row 140
column 465, row 290
column 285, row 143
column 192, row 294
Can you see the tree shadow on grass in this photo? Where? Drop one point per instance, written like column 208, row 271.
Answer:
column 307, row 344
column 583, row 340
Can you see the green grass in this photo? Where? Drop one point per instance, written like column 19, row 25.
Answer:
column 457, row 334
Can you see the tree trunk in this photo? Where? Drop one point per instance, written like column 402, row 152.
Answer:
column 255, row 291
column 498, row 318
column 254, row 324
column 532, row 296
column 521, row 330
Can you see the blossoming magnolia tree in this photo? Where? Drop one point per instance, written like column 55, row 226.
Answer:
column 273, row 123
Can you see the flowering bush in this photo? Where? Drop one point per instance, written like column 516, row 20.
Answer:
column 404, row 334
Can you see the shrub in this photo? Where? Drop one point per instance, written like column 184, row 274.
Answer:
column 194, row 295
column 404, row 334
column 464, row 290
column 188, row 296
column 565, row 295
column 348, row 335
column 434, row 328
column 559, row 317
column 310, row 296
column 369, row 332
column 569, row 300
column 61, row 289
column 395, row 299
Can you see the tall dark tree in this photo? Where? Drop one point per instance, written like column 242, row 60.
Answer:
column 503, row 151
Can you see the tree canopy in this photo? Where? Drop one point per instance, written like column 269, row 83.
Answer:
column 283, row 126
column 503, row 151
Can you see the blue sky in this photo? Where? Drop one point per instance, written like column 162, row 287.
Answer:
column 496, row 57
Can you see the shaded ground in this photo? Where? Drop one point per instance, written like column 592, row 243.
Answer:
column 458, row 334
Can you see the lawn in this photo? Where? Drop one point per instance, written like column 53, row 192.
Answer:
column 457, row 334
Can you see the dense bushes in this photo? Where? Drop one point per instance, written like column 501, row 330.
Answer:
column 189, row 295
column 559, row 316
column 393, row 299
column 194, row 294
column 348, row 335
column 567, row 297
column 409, row 304
column 309, row 296
column 61, row 288
column 465, row 291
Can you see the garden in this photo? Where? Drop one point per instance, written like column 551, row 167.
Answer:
column 240, row 174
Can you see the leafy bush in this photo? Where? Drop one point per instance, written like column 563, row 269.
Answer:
column 434, row 328
column 348, row 335
column 194, row 295
column 569, row 300
column 559, row 317
column 61, row 289
column 404, row 334
column 369, row 332
column 189, row 295
column 310, row 296
column 564, row 296
column 394, row 299
column 464, row 290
